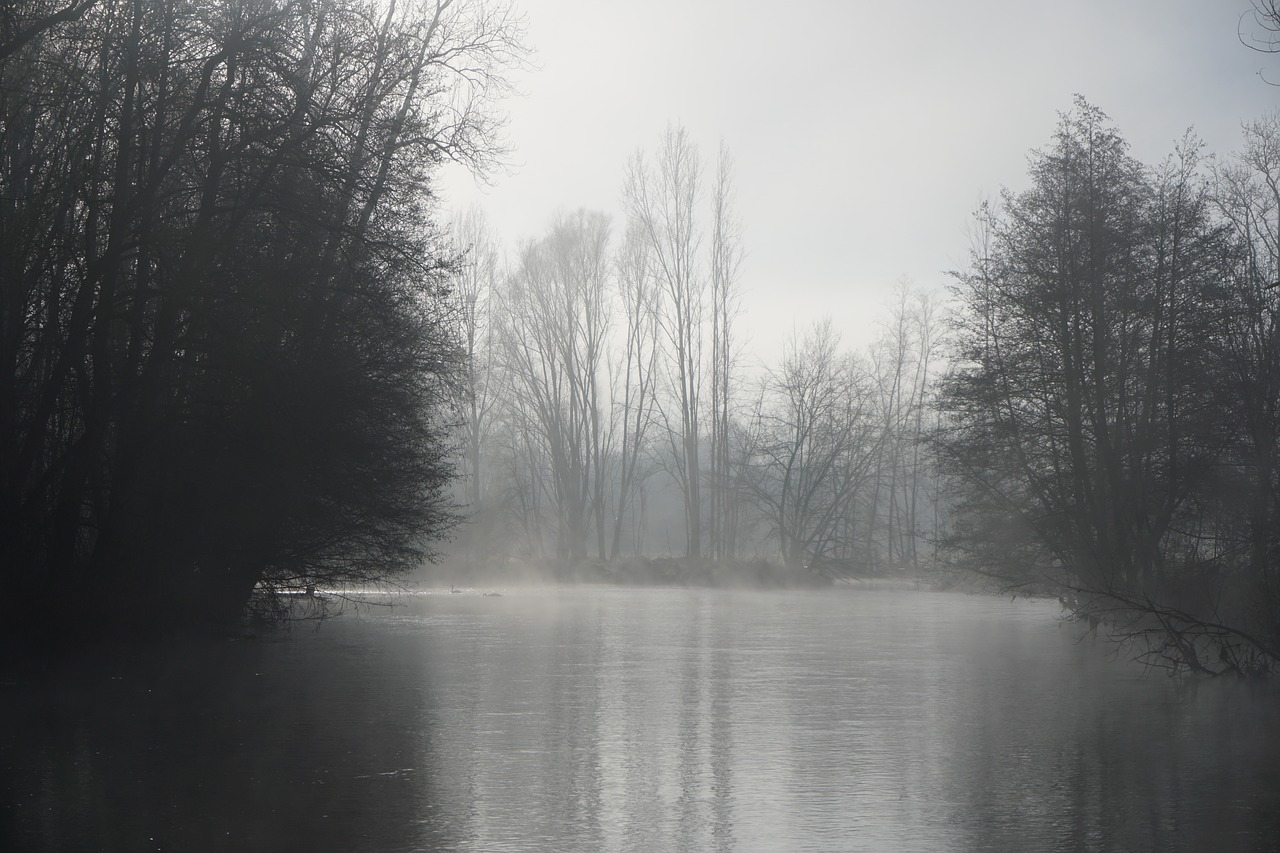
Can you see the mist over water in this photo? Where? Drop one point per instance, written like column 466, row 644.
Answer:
column 260, row 354
column 592, row 718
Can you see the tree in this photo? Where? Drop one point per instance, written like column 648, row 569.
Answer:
column 476, row 395
column 20, row 25
column 1080, row 431
column 813, row 443
column 902, row 366
column 1246, row 336
column 661, row 201
column 224, row 334
column 634, row 405
column 555, row 329
column 726, row 259
column 1266, row 21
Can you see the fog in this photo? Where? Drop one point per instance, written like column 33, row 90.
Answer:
column 464, row 426
column 865, row 134
column 599, row 718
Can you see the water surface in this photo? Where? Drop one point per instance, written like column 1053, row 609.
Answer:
column 590, row 718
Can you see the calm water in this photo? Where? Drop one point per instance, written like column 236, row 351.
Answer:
column 591, row 719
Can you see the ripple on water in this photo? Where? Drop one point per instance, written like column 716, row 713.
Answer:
column 587, row 719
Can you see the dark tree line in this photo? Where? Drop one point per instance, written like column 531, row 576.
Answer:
column 1111, row 416
column 223, row 324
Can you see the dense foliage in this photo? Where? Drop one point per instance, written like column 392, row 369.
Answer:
column 223, row 331
column 1111, row 418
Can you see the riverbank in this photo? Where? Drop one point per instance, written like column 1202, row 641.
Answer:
column 651, row 571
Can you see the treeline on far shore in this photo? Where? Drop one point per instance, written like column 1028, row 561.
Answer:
column 758, row 573
column 1094, row 412
column 243, row 357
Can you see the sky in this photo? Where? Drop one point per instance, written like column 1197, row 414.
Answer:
column 864, row 133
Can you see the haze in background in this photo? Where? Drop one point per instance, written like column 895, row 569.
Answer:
column 864, row 132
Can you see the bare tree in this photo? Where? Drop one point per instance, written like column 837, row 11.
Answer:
column 25, row 22
column 635, row 399
column 726, row 260
column 555, row 329
column 1247, row 194
column 902, row 359
column 473, row 287
column 223, row 295
column 1265, row 35
column 813, row 445
column 661, row 201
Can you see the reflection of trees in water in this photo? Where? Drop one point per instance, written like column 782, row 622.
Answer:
column 644, row 720
column 506, row 726
column 247, row 746
column 1085, row 756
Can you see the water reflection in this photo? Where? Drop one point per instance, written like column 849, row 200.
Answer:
column 253, row 746
column 605, row 719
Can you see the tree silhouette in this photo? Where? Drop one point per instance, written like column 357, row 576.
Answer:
column 223, row 327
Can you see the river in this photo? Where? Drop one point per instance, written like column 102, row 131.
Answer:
column 610, row 719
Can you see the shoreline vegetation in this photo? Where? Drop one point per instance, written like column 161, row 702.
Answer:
column 227, row 334
column 1089, row 415
column 658, row 571
column 243, row 356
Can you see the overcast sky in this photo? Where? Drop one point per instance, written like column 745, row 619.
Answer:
column 865, row 133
